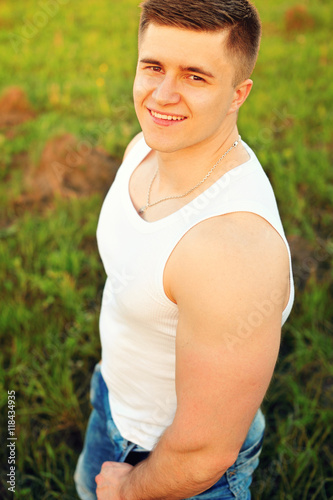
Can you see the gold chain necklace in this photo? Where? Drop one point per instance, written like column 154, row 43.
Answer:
column 148, row 204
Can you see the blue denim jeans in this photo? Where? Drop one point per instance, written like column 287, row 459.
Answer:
column 103, row 442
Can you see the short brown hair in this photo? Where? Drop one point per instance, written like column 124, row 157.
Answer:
column 239, row 17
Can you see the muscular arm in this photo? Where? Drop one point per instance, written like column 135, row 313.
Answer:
column 219, row 275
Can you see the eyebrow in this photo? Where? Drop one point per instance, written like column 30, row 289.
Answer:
column 191, row 69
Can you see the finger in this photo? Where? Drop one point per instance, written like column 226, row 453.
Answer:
column 116, row 465
column 109, row 464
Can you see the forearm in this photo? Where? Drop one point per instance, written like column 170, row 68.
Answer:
column 171, row 473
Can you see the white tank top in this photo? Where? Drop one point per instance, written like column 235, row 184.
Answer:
column 138, row 321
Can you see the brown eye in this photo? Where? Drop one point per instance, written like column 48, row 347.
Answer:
column 196, row 78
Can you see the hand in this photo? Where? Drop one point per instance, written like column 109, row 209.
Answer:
column 110, row 480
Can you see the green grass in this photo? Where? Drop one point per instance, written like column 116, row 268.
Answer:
column 77, row 71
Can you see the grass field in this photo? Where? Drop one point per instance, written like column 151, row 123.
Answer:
column 75, row 63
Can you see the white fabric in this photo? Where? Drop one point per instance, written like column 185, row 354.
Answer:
column 138, row 322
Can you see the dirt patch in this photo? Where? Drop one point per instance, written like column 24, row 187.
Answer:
column 15, row 107
column 68, row 168
column 298, row 19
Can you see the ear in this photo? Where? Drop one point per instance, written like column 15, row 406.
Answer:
column 240, row 95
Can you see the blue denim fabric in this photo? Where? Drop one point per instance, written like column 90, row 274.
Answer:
column 103, row 442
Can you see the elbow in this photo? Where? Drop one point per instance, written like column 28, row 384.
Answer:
column 209, row 467
column 204, row 463
column 204, row 466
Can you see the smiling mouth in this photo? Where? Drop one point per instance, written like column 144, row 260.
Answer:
column 167, row 117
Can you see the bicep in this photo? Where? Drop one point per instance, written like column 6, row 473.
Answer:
column 227, row 344
column 221, row 378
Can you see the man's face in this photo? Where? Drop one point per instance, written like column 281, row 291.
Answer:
column 183, row 87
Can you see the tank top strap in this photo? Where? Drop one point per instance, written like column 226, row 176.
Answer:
column 133, row 159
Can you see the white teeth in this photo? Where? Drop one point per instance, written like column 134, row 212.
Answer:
column 167, row 117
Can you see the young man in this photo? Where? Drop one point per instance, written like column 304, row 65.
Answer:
column 198, row 272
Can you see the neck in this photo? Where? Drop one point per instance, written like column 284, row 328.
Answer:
column 180, row 170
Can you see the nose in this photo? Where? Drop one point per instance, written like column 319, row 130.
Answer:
column 166, row 91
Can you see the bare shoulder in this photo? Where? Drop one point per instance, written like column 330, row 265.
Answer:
column 240, row 251
column 132, row 143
